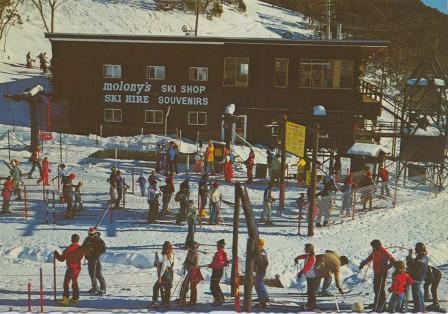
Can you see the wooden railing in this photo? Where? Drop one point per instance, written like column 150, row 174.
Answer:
column 370, row 90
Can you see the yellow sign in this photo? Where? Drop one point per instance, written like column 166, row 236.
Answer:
column 295, row 139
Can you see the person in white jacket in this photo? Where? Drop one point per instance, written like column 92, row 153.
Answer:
column 215, row 199
column 164, row 281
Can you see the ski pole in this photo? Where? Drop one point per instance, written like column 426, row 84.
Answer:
column 99, row 222
column 336, row 302
column 180, row 280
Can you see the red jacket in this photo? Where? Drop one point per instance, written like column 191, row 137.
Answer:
column 310, row 260
column 7, row 190
column 72, row 256
column 384, row 175
column 219, row 260
column 381, row 259
column 400, row 282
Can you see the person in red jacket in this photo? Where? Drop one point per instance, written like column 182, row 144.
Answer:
column 400, row 283
column 219, row 262
column 309, row 271
column 384, row 175
column 250, row 161
column 382, row 260
column 8, row 188
column 45, row 171
column 72, row 256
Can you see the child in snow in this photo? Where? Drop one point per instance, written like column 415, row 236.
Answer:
column 418, row 268
column 228, row 168
column 219, row 262
column 192, row 214
column 400, row 283
column 260, row 266
column 72, row 255
column 142, row 183
column 8, row 188
column 194, row 276
column 309, row 271
column 45, row 172
column 203, row 190
column 165, row 276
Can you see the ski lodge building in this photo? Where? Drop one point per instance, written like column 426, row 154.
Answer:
column 125, row 85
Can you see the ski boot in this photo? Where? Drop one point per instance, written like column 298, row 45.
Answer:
column 64, row 301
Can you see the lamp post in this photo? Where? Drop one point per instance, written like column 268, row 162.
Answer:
column 318, row 112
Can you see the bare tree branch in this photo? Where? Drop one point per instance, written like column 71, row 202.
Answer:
column 39, row 4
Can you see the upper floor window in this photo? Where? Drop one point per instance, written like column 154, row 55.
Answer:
column 281, row 72
column 154, row 116
column 320, row 73
column 155, row 72
column 236, row 71
column 198, row 74
column 197, row 118
column 112, row 71
column 112, row 115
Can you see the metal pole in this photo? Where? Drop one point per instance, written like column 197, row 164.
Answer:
column 236, row 230
column 313, row 182
column 197, row 19
column 283, row 166
column 166, row 122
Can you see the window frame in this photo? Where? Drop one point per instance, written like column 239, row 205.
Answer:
column 155, row 71
column 113, row 110
column 197, row 118
column 196, row 79
column 287, row 72
column 153, row 111
column 237, row 72
column 112, row 65
column 322, row 62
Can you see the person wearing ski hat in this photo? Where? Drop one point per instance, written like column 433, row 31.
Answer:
column 94, row 247
column 260, row 266
column 418, row 268
column 72, row 255
column 219, row 262
column 215, row 199
column 381, row 260
column 194, row 275
column 67, row 192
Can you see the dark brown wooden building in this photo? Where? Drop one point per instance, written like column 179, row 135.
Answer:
column 122, row 84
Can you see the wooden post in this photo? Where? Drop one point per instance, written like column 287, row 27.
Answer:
column 236, row 230
column 248, row 275
column 237, row 286
column 283, row 165
column 29, row 297
column 313, row 182
column 41, row 290
column 133, row 179
column 54, row 277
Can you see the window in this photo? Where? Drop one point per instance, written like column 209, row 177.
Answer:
column 112, row 71
column 197, row 118
column 154, row 116
column 281, row 73
column 198, row 74
column 112, row 115
column 317, row 73
column 155, row 72
column 236, row 71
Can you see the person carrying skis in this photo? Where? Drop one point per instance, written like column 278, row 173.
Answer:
column 203, row 191
column 433, row 277
column 381, row 260
column 383, row 174
column 167, row 193
column 215, row 199
column 219, row 262
column 16, row 175
column 400, row 283
column 72, row 255
column 165, row 277
column 418, row 268
column 184, row 197
column 45, row 172
column 35, row 160
column 142, row 183
column 347, row 199
column 267, row 204
column 112, row 185
column 192, row 213
column 8, row 188
column 260, row 266
column 209, row 158
column 194, row 275
column 328, row 264
column 250, row 162
column 94, row 247
column 121, row 187
column 67, row 192
column 309, row 271
column 153, row 201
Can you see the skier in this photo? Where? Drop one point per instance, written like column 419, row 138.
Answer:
column 219, row 262
column 8, row 188
column 301, row 171
column 94, row 247
column 400, row 283
column 209, row 158
column 260, row 266
column 309, row 271
column 324, row 206
column 228, row 169
column 199, row 160
column 160, row 158
column 381, row 260
column 35, row 160
column 347, row 199
column 203, row 190
column 142, row 183
column 267, row 204
column 337, row 166
column 67, row 192
column 16, row 175
column 29, row 60
column 152, row 177
column 72, row 255
column 418, row 268
column 165, row 277
column 269, row 158
column 328, row 264
column 171, row 156
column 112, row 185
column 77, row 204
column 250, row 162
column 383, row 174
column 167, row 193
column 153, row 201
column 184, row 197
column 43, row 61
column 367, row 187
column 121, row 187
column 45, row 172
column 194, row 275
column 215, row 199
column 192, row 213
column 433, row 278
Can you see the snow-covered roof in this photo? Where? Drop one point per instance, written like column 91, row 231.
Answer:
column 429, row 131
column 425, row 82
column 365, row 149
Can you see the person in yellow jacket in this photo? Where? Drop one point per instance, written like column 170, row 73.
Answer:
column 329, row 264
column 209, row 158
column 301, row 171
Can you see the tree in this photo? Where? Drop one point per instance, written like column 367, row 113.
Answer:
column 9, row 16
column 41, row 6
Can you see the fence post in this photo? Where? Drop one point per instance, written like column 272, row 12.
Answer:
column 353, row 205
column 25, row 202
column 237, row 286
column 29, row 296
column 133, row 179
column 41, row 291
column 54, row 276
